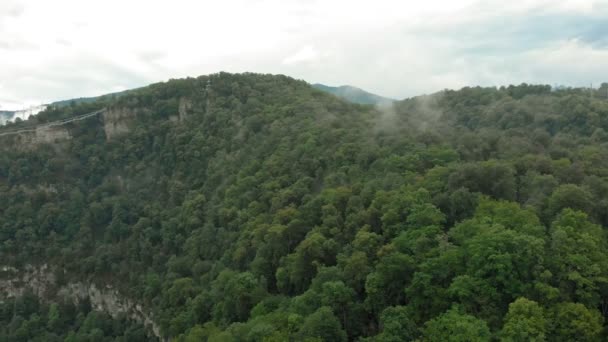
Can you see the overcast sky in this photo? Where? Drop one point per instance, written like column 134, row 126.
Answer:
column 60, row 49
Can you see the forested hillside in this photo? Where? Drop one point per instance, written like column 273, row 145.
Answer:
column 272, row 211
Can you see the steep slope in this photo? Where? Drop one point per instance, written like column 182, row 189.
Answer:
column 353, row 94
column 252, row 207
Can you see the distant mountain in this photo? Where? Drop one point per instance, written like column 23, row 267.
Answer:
column 353, row 94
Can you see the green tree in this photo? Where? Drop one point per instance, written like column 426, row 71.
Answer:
column 574, row 322
column 570, row 196
column 338, row 296
column 577, row 259
column 385, row 285
column 525, row 321
column 397, row 324
column 322, row 324
column 455, row 326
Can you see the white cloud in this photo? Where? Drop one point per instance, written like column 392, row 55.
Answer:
column 61, row 49
column 306, row 54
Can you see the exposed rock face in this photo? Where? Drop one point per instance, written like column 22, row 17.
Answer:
column 51, row 134
column 43, row 282
column 116, row 121
column 40, row 188
column 38, row 280
column 41, row 135
column 185, row 106
column 108, row 300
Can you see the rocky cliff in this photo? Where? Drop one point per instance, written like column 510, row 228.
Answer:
column 116, row 121
column 43, row 281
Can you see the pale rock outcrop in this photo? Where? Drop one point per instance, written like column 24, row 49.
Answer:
column 42, row 281
column 51, row 134
column 116, row 121
column 41, row 135
column 184, row 107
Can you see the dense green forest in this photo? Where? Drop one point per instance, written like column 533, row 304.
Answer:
column 26, row 319
column 277, row 212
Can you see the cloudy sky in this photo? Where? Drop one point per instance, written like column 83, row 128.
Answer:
column 52, row 50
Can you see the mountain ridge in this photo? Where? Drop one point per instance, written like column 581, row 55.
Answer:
column 353, row 94
column 260, row 207
column 349, row 93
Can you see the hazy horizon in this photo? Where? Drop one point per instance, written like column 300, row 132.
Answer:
column 68, row 49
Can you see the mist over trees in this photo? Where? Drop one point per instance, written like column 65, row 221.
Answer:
column 274, row 212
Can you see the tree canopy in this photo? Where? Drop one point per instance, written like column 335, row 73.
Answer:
column 263, row 209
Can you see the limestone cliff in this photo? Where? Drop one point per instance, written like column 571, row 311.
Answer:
column 42, row 281
column 41, row 135
column 184, row 109
column 51, row 134
column 116, row 121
